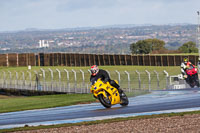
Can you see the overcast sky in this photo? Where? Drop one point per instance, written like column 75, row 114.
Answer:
column 54, row 14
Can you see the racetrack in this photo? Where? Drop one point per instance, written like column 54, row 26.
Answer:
column 157, row 102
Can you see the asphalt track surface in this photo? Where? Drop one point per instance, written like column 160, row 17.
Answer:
column 157, row 101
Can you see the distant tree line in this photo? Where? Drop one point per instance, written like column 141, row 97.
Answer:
column 156, row 46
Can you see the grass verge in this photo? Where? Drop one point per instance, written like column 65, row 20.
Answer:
column 10, row 104
column 26, row 128
column 20, row 103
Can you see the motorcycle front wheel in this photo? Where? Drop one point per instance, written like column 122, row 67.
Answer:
column 124, row 99
column 105, row 101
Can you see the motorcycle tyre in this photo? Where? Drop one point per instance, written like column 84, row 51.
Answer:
column 103, row 102
column 192, row 85
column 198, row 84
column 124, row 100
column 197, row 80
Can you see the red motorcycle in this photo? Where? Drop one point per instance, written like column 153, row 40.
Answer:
column 192, row 76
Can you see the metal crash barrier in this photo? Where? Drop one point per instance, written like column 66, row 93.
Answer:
column 78, row 80
column 177, row 82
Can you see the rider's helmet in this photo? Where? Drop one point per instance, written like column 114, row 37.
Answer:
column 185, row 60
column 94, row 70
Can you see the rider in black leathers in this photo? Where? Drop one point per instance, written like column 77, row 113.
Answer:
column 97, row 73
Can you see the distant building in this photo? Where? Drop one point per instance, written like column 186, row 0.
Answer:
column 43, row 44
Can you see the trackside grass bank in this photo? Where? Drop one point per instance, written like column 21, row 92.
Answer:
column 26, row 128
column 13, row 103
column 20, row 103
column 170, row 69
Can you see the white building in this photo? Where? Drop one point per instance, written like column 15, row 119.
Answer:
column 43, row 44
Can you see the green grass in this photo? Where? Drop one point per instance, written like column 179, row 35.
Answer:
column 14, row 103
column 171, row 70
column 183, row 54
column 26, row 128
column 10, row 104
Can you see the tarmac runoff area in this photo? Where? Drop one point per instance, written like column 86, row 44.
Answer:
column 158, row 102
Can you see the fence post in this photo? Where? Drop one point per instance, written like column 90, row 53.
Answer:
column 118, row 75
column 30, row 79
column 59, row 76
column 75, row 80
column 139, row 79
column 88, row 89
column 44, row 84
column 108, row 73
column 16, row 81
column 129, row 87
column 157, row 76
column 67, row 79
column 4, row 78
column 10, row 76
column 167, row 78
column 51, row 78
column 37, row 81
column 83, row 77
column 149, row 76
column 23, row 82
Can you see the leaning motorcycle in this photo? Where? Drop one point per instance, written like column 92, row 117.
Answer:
column 107, row 94
column 192, row 76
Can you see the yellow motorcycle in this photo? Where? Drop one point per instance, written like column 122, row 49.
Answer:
column 107, row 94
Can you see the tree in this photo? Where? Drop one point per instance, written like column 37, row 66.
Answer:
column 156, row 44
column 134, row 48
column 147, row 46
column 143, row 47
column 188, row 47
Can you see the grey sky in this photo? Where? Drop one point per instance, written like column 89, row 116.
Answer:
column 53, row 14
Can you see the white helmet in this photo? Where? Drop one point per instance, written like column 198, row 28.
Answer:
column 94, row 70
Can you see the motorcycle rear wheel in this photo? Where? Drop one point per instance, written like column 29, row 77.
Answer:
column 105, row 101
column 192, row 85
column 197, row 84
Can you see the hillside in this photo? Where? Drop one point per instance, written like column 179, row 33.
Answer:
column 109, row 39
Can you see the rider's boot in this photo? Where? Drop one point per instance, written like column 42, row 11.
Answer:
column 120, row 92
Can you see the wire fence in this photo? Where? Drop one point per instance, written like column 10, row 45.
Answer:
column 77, row 81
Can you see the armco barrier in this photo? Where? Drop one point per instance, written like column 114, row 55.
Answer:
column 76, row 59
